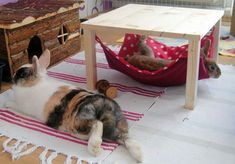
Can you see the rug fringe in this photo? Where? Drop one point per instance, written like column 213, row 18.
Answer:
column 68, row 160
column 19, row 149
column 42, row 156
column 26, row 152
column 5, row 147
column 79, row 162
column 52, row 156
column 22, row 146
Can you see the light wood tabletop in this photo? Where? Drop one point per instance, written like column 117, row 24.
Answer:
column 157, row 20
column 173, row 22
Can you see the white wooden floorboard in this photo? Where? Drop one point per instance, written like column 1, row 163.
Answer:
column 170, row 134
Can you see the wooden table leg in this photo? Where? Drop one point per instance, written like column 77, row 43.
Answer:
column 192, row 73
column 232, row 28
column 216, row 40
column 90, row 58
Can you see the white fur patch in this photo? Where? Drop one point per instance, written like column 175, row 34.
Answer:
column 134, row 148
column 95, row 140
column 32, row 100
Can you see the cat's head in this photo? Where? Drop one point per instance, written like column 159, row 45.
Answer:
column 30, row 74
column 212, row 67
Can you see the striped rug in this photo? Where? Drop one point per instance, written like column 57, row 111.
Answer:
column 134, row 98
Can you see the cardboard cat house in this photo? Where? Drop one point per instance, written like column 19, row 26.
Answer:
column 28, row 27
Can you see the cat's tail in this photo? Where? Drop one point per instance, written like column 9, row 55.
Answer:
column 133, row 147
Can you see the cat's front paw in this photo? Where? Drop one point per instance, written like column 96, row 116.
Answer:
column 94, row 146
column 10, row 104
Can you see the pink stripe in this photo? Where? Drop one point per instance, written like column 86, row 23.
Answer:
column 136, row 92
column 79, row 61
column 66, row 75
column 74, row 61
column 31, row 122
column 40, row 130
column 71, row 79
column 115, row 84
column 153, row 93
column 44, row 127
column 66, row 79
column 35, row 129
column 133, row 113
column 122, row 88
column 132, row 119
column 139, row 89
column 136, row 89
column 104, row 144
column 50, row 134
column 131, row 116
column 82, row 62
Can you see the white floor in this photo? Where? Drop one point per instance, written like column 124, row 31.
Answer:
column 170, row 134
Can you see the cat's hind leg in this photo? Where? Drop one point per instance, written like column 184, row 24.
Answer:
column 95, row 140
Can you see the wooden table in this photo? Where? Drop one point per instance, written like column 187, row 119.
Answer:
column 173, row 22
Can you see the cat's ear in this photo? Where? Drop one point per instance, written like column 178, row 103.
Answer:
column 44, row 59
column 206, row 48
column 35, row 64
column 40, row 65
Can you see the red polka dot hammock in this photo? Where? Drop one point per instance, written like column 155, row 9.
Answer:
column 173, row 74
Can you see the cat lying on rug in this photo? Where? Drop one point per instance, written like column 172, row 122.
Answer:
column 144, row 59
column 88, row 116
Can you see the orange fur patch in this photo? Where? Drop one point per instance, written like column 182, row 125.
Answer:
column 70, row 122
column 122, row 125
column 55, row 100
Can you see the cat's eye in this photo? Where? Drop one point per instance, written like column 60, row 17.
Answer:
column 212, row 68
column 23, row 74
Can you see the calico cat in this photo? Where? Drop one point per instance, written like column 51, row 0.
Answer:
column 89, row 116
column 144, row 60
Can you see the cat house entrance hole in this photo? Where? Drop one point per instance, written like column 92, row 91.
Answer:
column 34, row 48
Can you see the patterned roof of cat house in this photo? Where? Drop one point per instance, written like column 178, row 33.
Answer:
column 16, row 13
